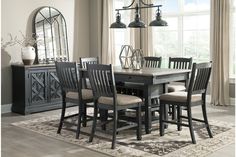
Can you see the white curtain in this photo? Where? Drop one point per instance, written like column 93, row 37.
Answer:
column 146, row 33
column 220, row 10
column 108, row 51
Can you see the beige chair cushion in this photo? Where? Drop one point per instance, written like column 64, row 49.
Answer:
column 175, row 88
column 122, row 99
column 86, row 94
column 179, row 97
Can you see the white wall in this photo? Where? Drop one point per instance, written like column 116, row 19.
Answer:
column 16, row 15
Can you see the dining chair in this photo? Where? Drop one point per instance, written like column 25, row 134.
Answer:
column 179, row 63
column 152, row 62
column 106, row 98
column 72, row 92
column 83, row 64
column 195, row 95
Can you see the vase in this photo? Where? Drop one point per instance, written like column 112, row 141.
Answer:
column 28, row 55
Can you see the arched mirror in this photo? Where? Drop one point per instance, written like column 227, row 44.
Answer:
column 50, row 29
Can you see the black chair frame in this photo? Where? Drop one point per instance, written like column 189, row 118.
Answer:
column 67, row 74
column 152, row 62
column 83, row 64
column 198, row 84
column 103, row 85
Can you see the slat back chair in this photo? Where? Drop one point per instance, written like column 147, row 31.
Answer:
column 180, row 63
column 106, row 98
column 86, row 84
column 67, row 75
column 196, row 95
column 72, row 91
column 102, row 81
column 152, row 62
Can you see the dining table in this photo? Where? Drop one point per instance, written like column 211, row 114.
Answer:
column 153, row 81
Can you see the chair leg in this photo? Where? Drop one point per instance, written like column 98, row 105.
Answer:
column 206, row 120
column 190, row 124
column 63, row 110
column 115, row 118
column 165, row 112
column 161, row 118
column 84, row 115
column 139, row 122
column 95, row 114
column 173, row 112
column 103, row 117
column 179, row 119
column 79, row 124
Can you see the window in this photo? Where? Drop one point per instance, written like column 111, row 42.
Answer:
column 121, row 36
column 188, row 31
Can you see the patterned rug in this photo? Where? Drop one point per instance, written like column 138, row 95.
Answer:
column 173, row 143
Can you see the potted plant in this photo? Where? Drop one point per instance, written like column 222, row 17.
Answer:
column 27, row 49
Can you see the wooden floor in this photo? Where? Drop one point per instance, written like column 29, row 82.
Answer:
column 17, row 142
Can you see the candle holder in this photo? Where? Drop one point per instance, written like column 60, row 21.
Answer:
column 137, row 59
column 125, row 56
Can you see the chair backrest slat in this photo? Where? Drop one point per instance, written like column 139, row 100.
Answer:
column 152, row 62
column 88, row 60
column 67, row 75
column 102, row 80
column 180, row 63
column 199, row 78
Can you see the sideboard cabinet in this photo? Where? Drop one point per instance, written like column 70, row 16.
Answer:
column 35, row 88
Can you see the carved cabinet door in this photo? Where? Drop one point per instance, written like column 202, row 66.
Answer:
column 38, row 83
column 54, row 91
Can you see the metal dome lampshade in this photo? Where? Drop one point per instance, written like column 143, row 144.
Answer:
column 158, row 21
column 137, row 23
column 118, row 23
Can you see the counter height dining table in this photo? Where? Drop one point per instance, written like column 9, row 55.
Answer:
column 153, row 82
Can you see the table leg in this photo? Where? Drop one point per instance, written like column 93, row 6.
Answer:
column 148, row 115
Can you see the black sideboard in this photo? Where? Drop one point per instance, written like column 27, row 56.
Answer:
column 35, row 88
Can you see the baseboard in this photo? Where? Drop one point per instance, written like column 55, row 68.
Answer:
column 6, row 108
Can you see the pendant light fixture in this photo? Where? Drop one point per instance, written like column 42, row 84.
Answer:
column 118, row 23
column 138, row 23
column 158, row 21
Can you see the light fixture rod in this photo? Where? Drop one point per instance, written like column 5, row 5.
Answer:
column 145, row 3
column 153, row 6
column 125, row 7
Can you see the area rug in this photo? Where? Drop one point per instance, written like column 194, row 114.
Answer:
column 173, row 144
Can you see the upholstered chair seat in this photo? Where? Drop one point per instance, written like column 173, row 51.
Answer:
column 86, row 94
column 175, row 88
column 180, row 97
column 122, row 99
